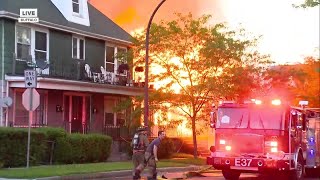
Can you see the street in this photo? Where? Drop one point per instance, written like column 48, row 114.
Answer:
column 205, row 176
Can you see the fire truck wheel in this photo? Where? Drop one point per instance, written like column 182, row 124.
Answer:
column 231, row 175
column 299, row 172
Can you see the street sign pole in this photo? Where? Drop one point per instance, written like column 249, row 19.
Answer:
column 30, row 78
column 29, row 127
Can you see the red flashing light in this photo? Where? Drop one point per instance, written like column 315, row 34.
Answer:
column 258, row 102
column 276, row 102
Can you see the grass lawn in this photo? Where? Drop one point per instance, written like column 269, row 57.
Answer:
column 61, row 170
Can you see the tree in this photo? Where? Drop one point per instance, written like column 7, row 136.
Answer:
column 308, row 4
column 308, row 87
column 296, row 82
column 198, row 64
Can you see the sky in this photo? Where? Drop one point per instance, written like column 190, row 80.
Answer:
column 288, row 34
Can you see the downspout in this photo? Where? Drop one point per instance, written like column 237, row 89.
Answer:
column 2, row 71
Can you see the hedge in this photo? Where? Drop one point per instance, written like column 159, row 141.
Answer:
column 13, row 149
column 68, row 148
column 79, row 148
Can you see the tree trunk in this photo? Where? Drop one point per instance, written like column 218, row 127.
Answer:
column 194, row 137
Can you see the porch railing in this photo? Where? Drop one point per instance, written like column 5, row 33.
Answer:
column 69, row 70
column 116, row 132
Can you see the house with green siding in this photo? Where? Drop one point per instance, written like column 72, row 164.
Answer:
column 73, row 48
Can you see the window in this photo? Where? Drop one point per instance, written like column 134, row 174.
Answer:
column 21, row 117
column 31, row 43
column 77, row 48
column 40, row 49
column 23, row 42
column 110, row 59
column 122, row 61
column 75, row 6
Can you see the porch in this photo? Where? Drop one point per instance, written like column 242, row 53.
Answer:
column 78, row 70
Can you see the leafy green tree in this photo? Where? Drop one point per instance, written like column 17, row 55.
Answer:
column 308, row 4
column 198, row 64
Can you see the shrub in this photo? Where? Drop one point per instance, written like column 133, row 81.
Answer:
column 62, row 152
column 13, row 149
column 80, row 148
column 166, row 148
column 52, row 136
column 68, row 148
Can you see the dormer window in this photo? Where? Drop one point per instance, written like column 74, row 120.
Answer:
column 75, row 11
column 76, row 6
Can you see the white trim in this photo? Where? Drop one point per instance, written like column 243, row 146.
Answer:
column 2, row 71
column 69, row 29
column 69, row 85
column 33, row 30
column 78, row 47
column 16, row 41
column 105, row 61
column 115, row 60
column 66, row 9
column 118, row 64
column 79, row 8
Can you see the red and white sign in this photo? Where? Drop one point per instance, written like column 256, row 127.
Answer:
column 30, row 103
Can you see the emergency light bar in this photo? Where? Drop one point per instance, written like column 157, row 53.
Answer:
column 303, row 103
column 227, row 102
column 276, row 102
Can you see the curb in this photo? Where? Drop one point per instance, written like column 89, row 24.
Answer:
column 120, row 173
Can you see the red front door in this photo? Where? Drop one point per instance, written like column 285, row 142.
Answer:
column 75, row 113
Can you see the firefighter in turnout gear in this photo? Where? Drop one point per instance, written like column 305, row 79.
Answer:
column 150, row 158
column 139, row 144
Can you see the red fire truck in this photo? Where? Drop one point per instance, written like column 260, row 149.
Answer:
column 262, row 136
column 312, row 166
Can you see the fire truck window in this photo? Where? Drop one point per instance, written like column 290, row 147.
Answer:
column 263, row 119
column 232, row 118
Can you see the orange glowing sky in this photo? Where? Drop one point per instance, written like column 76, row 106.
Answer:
column 288, row 34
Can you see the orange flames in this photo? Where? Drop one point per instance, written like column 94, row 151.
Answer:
column 133, row 14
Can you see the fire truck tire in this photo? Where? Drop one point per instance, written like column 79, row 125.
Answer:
column 231, row 175
column 298, row 173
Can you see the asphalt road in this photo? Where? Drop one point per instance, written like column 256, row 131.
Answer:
column 217, row 175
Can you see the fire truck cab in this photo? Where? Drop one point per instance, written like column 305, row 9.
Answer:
column 266, row 136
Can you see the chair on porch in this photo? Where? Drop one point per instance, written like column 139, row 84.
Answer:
column 88, row 71
column 41, row 64
column 107, row 76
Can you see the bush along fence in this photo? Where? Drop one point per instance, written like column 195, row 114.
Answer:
column 51, row 145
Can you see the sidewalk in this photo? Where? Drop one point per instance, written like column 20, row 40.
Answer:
column 111, row 174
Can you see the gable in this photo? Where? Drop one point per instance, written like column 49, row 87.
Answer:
column 49, row 15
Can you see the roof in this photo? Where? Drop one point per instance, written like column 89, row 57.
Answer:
column 49, row 15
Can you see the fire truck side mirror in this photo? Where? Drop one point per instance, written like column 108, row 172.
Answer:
column 212, row 120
